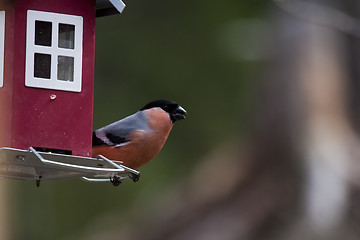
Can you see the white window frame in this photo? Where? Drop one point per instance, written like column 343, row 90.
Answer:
column 54, row 51
column 2, row 49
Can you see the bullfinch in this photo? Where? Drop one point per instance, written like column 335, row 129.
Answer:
column 138, row 138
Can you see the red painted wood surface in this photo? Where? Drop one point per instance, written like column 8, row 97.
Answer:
column 29, row 117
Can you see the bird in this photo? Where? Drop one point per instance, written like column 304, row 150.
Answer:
column 136, row 139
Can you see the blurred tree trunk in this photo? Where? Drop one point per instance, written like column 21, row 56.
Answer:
column 5, row 220
column 323, row 132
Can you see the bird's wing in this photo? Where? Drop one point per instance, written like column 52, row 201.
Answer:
column 118, row 132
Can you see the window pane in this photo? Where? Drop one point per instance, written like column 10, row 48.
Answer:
column 42, row 63
column 43, row 33
column 66, row 68
column 66, row 35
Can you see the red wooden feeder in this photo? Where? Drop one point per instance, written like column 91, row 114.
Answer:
column 47, row 50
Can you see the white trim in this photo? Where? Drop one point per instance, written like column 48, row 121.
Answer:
column 2, row 49
column 54, row 51
column 118, row 4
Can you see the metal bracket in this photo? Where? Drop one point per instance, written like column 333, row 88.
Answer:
column 39, row 166
column 115, row 180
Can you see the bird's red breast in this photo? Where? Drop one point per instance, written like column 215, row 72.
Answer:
column 143, row 144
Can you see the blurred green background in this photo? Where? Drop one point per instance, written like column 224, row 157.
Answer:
column 269, row 149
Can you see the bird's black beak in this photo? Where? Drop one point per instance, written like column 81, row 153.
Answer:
column 178, row 114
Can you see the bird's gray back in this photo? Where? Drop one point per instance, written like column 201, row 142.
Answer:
column 119, row 131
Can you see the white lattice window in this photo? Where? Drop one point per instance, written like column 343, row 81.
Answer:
column 2, row 42
column 54, row 51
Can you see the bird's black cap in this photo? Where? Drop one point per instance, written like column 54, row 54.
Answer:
column 175, row 111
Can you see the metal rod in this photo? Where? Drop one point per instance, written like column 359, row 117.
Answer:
column 118, row 166
column 95, row 179
column 76, row 167
column 107, row 160
column 100, row 179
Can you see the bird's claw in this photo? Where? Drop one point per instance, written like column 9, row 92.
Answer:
column 134, row 177
column 115, row 180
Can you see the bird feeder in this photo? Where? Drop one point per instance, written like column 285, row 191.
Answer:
column 47, row 50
